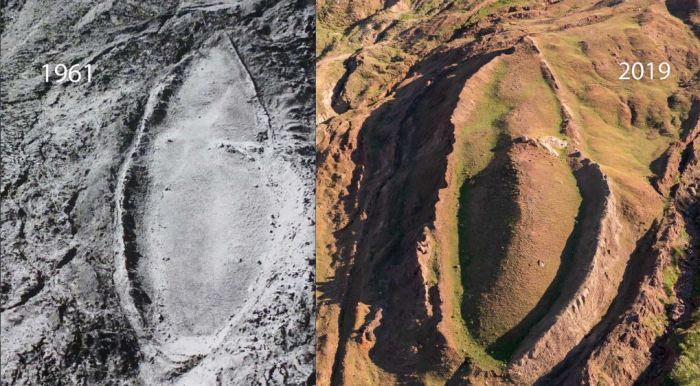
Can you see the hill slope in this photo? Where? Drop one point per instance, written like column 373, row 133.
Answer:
column 494, row 204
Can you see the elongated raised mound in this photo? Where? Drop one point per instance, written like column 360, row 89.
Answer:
column 158, row 220
column 206, row 221
column 200, row 203
column 495, row 205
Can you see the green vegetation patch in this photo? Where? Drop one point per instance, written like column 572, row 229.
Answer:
column 498, row 6
column 472, row 156
column 686, row 370
column 671, row 273
column 509, row 256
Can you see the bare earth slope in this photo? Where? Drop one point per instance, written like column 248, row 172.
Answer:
column 157, row 223
column 495, row 206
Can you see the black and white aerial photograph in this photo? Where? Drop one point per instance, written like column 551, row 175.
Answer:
column 157, row 192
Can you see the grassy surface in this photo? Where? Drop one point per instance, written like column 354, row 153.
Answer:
column 473, row 155
column 623, row 127
column 671, row 272
column 329, row 39
column 686, row 370
column 497, row 6
column 623, row 143
column 510, row 220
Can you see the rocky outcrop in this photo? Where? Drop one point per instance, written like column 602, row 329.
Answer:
column 588, row 291
column 401, row 300
column 658, row 297
column 86, row 203
column 675, row 157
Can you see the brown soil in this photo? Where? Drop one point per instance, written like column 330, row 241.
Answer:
column 493, row 205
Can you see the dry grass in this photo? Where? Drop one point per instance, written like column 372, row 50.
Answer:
column 624, row 142
column 477, row 137
column 515, row 214
column 527, row 204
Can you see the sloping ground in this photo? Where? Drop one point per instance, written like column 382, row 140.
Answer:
column 525, row 199
column 207, row 212
column 491, row 198
column 589, row 292
column 140, row 210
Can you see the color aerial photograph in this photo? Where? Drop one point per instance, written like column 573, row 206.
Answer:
column 508, row 192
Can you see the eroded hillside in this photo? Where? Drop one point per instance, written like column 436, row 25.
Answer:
column 494, row 205
column 157, row 221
